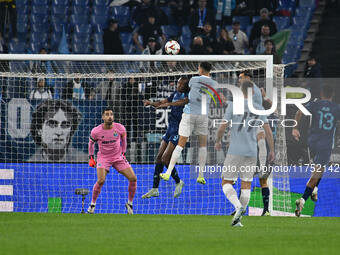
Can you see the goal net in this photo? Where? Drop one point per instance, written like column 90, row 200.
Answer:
column 50, row 103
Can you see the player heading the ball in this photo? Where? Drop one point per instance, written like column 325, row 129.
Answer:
column 112, row 143
column 176, row 101
column 194, row 120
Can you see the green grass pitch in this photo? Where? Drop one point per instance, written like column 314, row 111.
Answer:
column 50, row 233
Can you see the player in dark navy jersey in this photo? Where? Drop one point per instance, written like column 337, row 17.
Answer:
column 325, row 115
column 176, row 101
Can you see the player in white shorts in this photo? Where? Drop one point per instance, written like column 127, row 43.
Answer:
column 242, row 153
column 195, row 120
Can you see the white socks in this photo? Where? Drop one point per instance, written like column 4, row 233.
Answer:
column 174, row 157
column 262, row 152
column 230, row 193
column 245, row 197
column 202, row 160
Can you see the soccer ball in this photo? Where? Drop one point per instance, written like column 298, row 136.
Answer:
column 172, row 47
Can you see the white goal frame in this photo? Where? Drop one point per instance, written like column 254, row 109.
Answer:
column 268, row 59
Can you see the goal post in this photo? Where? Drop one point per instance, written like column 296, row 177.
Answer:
column 120, row 82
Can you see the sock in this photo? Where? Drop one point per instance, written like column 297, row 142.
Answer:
column 175, row 176
column 262, row 152
column 265, row 198
column 156, row 178
column 174, row 157
column 95, row 192
column 132, row 190
column 308, row 192
column 245, row 197
column 230, row 193
column 315, row 190
column 202, row 159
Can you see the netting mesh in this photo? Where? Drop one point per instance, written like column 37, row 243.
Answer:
column 49, row 159
column 281, row 186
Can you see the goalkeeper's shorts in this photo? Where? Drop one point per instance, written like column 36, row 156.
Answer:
column 119, row 163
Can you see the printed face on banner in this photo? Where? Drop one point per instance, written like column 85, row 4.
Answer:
column 55, row 132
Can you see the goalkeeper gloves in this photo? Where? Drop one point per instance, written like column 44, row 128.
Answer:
column 92, row 162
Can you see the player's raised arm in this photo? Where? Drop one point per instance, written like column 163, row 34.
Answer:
column 181, row 102
column 155, row 104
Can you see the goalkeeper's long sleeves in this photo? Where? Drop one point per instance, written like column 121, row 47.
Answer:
column 123, row 143
column 91, row 147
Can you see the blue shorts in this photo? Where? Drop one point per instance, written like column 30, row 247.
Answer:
column 171, row 135
column 321, row 155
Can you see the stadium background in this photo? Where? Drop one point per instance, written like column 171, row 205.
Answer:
column 46, row 24
column 36, row 184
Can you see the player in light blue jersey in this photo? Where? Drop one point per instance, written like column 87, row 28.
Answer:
column 259, row 97
column 242, row 153
column 247, row 76
column 195, row 119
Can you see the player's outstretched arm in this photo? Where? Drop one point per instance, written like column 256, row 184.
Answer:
column 155, row 104
column 270, row 141
column 181, row 102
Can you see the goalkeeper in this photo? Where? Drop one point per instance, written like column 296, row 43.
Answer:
column 176, row 101
column 111, row 139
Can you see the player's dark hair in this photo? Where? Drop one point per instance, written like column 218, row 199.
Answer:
column 245, row 85
column 247, row 73
column 52, row 106
column 206, row 66
column 106, row 109
column 327, row 91
column 186, row 84
column 311, row 57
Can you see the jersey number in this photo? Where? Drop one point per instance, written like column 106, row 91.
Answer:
column 326, row 120
column 244, row 120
